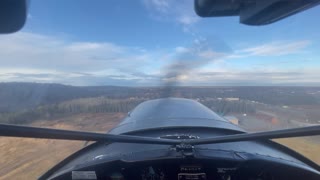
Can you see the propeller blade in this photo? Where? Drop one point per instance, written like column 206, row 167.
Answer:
column 202, row 51
column 284, row 133
column 46, row 133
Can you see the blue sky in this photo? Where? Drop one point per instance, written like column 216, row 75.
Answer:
column 151, row 42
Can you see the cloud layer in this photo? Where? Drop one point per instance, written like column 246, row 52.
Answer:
column 32, row 57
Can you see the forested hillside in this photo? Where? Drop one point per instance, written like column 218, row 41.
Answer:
column 20, row 96
column 24, row 102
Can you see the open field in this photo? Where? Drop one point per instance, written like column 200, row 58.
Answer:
column 305, row 146
column 29, row 158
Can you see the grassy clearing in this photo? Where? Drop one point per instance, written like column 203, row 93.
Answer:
column 25, row 158
column 310, row 148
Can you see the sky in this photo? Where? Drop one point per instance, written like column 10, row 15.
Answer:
column 153, row 42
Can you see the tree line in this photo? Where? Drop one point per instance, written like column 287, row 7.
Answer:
column 224, row 107
column 107, row 105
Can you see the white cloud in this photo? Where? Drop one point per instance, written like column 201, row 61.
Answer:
column 179, row 11
column 27, row 56
column 159, row 5
column 273, row 49
column 210, row 54
column 45, row 52
column 187, row 19
column 85, row 46
column 181, row 49
column 29, row 16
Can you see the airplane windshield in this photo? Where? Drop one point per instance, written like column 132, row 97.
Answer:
column 83, row 65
